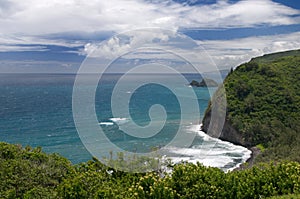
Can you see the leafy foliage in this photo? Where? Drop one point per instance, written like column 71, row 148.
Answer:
column 30, row 173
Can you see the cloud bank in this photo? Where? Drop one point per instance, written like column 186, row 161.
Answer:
column 30, row 25
column 231, row 53
column 34, row 17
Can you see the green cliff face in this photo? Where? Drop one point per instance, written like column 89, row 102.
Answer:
column 263, row 105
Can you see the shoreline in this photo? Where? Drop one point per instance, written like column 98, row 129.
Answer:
column 250, row 161
column 249, row 154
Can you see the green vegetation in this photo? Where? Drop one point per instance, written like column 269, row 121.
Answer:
column 263, row 105
column 30, row 173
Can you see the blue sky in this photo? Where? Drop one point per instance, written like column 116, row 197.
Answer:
column 55, row 36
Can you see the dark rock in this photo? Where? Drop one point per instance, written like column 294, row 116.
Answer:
column 251, row 161
column 204, row 83
column 194, row 83
column 228, row 133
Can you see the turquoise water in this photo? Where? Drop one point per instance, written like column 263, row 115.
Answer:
column 36, row 110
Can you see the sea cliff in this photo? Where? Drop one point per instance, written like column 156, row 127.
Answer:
column 263, row 106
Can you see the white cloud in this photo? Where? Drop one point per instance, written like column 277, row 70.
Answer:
column 128, row 41
column 231, row 53
column 34, row 17
column 36, row 40
column 15, row 48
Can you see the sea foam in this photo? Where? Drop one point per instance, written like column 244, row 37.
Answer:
column 212, row 152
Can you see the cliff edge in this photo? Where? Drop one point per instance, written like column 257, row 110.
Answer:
column 263, row 106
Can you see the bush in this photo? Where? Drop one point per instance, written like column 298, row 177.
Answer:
column 30, row 173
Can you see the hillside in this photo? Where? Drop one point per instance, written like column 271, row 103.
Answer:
column 263, row 106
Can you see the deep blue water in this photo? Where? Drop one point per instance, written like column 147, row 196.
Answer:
column 36, row 110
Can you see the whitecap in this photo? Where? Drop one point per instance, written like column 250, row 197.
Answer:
column 196, row 128
column 119, row 120
column 106, row 123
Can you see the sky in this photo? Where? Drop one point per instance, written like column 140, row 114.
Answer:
column 44, row 36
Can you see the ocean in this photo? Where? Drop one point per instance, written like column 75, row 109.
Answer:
column 36, row 110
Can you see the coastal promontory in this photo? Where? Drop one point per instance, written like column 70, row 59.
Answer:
column 263, row 106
